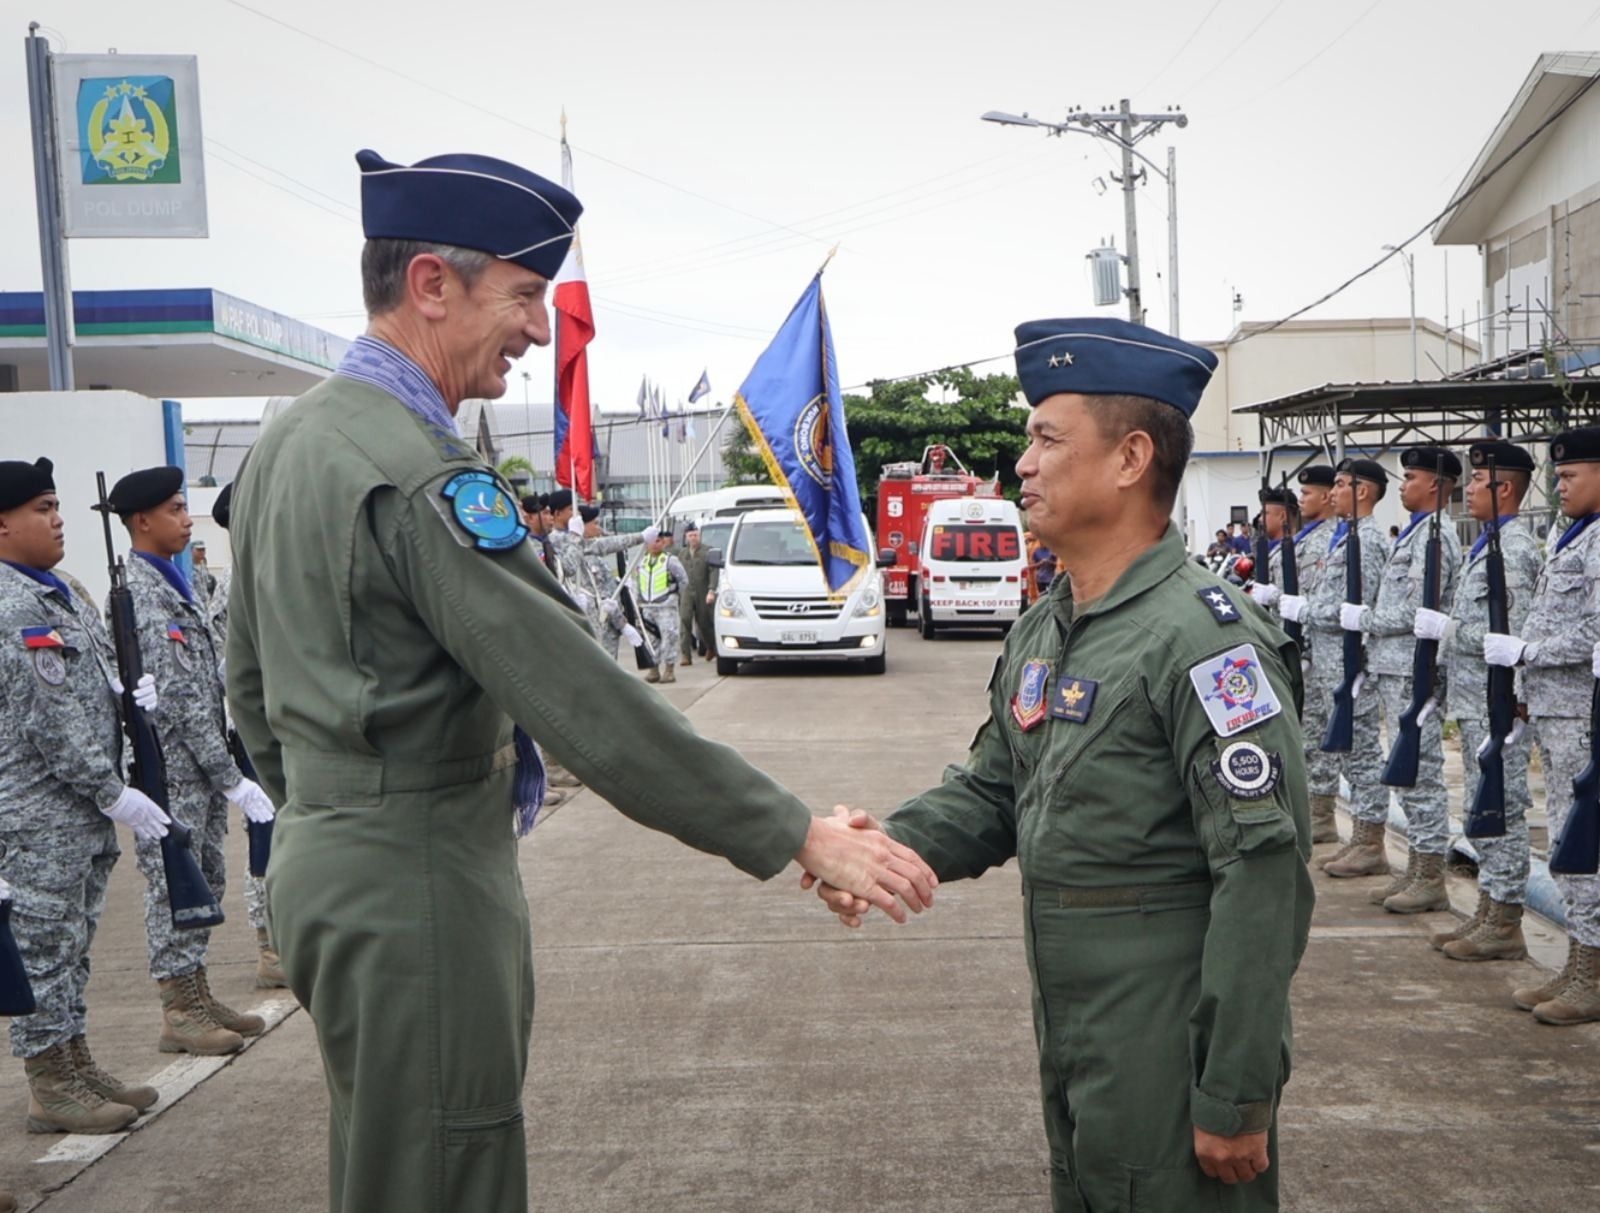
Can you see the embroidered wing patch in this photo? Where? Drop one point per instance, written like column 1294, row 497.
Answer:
column 1234, row 690
column 484, row 511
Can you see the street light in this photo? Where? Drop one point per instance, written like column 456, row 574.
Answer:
column 1118, row 127
column 1411, row 284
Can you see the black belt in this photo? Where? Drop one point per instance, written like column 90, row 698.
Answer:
column 1132, row 896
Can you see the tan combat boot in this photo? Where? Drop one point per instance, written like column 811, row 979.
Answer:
column 1343, row 848
column 8, row 1202
column 671, row 675
column 61, row 1102
column 652, row 675
column 269, row 969
column 1365, row 855
column 1579, row 1000
column 242, row 1022
column 108, row 1086
column 1425, row 891
column 1378, row 896
column 186, row 1022
column 1498, row 936
column 1528, row 997
column 1441, row 938
column 1324, row 824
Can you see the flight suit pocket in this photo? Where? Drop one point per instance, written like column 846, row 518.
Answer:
column 1169, row 1189
column 485, row 1158
column 1245, row 803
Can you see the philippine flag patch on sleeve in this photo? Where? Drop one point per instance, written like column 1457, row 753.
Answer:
column 1234, row 690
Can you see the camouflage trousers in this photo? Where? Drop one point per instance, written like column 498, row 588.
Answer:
column 1564, row 744
column 610, row 637
column 1426, row 804
column 174, row 953
column 1502, row 862
column 665, row 616
column 1322, row 768
column 1362, row 765
column 255, row 901
column 58, row 877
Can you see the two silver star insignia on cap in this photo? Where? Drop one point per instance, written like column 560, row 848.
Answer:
column 1062, row 359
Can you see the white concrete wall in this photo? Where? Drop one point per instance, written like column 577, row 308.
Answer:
column 85, row 432
column 1565, row 164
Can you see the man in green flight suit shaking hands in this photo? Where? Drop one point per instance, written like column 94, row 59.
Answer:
column 1142, row 761
column 395, row 648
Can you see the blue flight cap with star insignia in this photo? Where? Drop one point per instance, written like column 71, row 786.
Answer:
column 1098, row 356
column 472, row 202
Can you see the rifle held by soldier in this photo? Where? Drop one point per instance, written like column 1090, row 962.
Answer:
column 1291, row 567
column 16, row 992
column 258, row 832
column 1340, row 734
column 1401, row 769
column 193, row 904
column 1578, row 851
column 1487, row 816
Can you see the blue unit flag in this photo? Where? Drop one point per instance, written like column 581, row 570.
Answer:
column 791, row 405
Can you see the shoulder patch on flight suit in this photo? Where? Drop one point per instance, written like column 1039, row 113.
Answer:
column 484, row 510
column 1029, row 704
column 1220, row 605
column 1234, row 690
column 1248, row 772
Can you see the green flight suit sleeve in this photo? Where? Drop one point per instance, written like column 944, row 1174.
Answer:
column 968, row 824
column 1256, row 842
column 248, row 702
column 504, row 619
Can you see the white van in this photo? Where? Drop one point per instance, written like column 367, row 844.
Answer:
column 970, row 565
column 772, row 603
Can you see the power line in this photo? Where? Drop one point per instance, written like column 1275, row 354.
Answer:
column 267, row 181
column 1193, row 34
column 1218, row 64
column 1337, row 38
column 1455, row 203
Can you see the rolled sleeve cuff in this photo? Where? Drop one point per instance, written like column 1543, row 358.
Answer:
column 1228, row 1119
column 108, row 793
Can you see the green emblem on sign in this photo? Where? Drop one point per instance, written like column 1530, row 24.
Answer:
column 128, row 130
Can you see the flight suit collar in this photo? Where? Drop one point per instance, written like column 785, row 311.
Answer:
column 1149, row 569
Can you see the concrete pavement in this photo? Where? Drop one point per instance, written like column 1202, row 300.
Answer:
column 705, row 1042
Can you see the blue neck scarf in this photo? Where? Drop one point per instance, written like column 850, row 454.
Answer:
column 1339, row 532
column 381, row 365
column 1274, row 546
column 171, row 573
column 43, row 578
column 1483, row 539
column 377, row 362
column 1301, row 534
column 1412, row 525
column 1576, row 529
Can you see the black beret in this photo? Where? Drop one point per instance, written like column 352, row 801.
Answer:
column 1428, row 458
column 21, row 482
column 1365, row 469
column 1507, row 456
column 1576, row 446
column 559, row 500
column 1275, row 497
column 222, row 507
column 533, row 504
column 693, row 526
column 145, row 490
column 1320, row 474
column 588, row 512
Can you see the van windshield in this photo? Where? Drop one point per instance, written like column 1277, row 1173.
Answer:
column 772, row 543
column 975, row 543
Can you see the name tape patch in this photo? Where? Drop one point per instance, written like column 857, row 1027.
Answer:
column 1074, row 699
column 1234, row 690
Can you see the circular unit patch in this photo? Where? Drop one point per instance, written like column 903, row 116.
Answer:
column 485, row 511
column 50, row 665
column 1248, row 772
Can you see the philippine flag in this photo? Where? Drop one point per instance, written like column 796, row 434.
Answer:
column 574, row 437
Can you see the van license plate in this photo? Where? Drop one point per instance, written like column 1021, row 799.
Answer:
column 798, row 637
column 976, row 587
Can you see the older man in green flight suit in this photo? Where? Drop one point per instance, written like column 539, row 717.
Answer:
column 1142, row 761
column 395, row 647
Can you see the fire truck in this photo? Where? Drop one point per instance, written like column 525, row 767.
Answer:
column 905, row 490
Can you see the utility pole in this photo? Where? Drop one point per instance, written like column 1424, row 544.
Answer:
column 47, row 198
column 1172, row 237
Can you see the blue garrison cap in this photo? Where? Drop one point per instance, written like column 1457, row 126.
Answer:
column 474, row 202
column 1096, row 356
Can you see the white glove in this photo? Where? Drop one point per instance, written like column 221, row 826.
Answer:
column 5, row 891
column 1265, row 593
column 1597, row 659
column 1517, row 729
column 582, row 599
column 1292, row 607
column 575, row 524
column 631, row 635
column 1355, row 690
column 144, row 691
column 1501, row 649
column 140, row 814
column 1430, row 625
column 1428, row 709
column 252, row 801
column 1352, row 615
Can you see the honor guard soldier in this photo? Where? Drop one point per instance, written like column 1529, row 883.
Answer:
column 1141, row 761
column 61, row 787
column 1311, row 547
column 661, row 579
column 1359, row 484
column 1390, row 651
column 395, row 648
column 1555, row 656
column 1494, row 932
column 179, row 648
column 600, row 552
column 1278, row 511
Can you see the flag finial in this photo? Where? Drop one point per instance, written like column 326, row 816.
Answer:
column 827, row 259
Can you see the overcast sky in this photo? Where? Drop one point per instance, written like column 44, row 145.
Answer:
column 722, row 146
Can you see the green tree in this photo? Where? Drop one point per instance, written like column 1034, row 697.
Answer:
column 515, row 467
column 740, row 459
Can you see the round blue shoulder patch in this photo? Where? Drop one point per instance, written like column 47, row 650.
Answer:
column 485, row 511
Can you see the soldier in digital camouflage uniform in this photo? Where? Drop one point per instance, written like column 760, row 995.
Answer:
column 1555, row 653
column 1494, row 932
column 179, row 648
column 600, row 551
column 1391, row 650
column 660, row 580
column 61, row 786
column 1358, row 486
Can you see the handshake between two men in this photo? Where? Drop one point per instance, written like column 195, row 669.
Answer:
column 855, row 866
